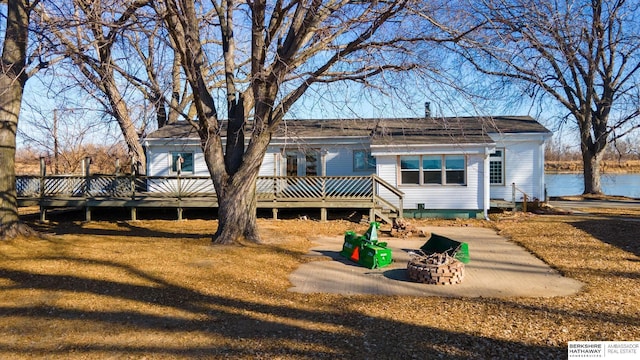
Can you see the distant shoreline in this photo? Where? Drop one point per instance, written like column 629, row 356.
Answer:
column 607, row 167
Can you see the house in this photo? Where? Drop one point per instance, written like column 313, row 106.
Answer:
column 444, row 166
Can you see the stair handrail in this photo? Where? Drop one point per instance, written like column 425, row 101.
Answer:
column 525, row 196
column 378, row 180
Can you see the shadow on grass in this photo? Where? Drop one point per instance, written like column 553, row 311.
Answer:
column 71, row 226
column 250, row 329
column 619, row 233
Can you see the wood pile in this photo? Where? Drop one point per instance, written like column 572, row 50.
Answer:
column 401, row 228
column 437, row 269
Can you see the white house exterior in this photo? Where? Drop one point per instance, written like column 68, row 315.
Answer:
column 445, row 166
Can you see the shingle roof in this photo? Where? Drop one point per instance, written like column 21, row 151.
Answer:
column 434, row 130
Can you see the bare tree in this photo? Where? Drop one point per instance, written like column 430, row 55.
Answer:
column 124, row 59
column 584, row 54
column 13, row 76
column 153, row 49
column 65, row 138
column 87, row 32
column 265, row 56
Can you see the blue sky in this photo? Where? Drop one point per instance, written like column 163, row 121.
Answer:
column 335, row 101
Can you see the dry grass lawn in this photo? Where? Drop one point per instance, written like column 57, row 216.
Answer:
column 158, row 290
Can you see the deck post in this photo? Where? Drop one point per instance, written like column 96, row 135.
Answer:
column 87, row 213
column 374, row 194
column 86, row 164
column 323, row 214
column 134, row 214
column 43, row 173
column 275, row 213
column 133, row 179
column 179, row 214
column 374, row 188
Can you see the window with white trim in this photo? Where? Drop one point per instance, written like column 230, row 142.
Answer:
column 410, row 169
column 362, row 160
column 496, row 167
column 455, row 166
column 433, row 170
column 303, row 163
column 186, row 162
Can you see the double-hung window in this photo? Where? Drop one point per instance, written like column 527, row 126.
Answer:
column 433, row 169
column 454, row 169
column 410, row 169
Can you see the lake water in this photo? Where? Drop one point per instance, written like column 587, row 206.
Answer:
column 612, row 184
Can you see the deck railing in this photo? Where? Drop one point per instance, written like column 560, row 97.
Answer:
column 268, row 188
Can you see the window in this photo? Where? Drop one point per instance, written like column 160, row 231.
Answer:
column 496, row 167
column 362, row 160
column 185, row 159
column 292, row 164
column 429, row 169
column 410, row 169
column 306, row 163
column 432, row 169
column 454, row 169
column 312, row 163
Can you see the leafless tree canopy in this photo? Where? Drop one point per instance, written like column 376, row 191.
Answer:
column 583, row 54
column 237, row 67
column 247, row 63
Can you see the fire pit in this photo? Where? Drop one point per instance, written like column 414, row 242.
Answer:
column 439, row 261
column 438, row 269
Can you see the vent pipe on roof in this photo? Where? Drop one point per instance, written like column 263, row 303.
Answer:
column 427, row 109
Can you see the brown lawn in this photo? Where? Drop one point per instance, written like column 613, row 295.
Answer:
column 157, row 289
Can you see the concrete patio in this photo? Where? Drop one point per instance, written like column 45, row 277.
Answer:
column 498, row 268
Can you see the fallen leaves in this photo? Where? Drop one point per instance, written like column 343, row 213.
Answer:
column 157, row 289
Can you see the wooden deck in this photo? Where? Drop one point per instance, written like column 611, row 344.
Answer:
column 382, row 200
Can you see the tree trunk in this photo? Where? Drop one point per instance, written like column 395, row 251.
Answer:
column 121, row 113
column 236, row 193
column 237, row 212
column 12, row 81
column 10, row 99
column 591, row 163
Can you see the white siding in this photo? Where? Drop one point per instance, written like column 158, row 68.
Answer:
column 269, row 163
column 337, row 159
column 159, row 160
column 444, row 197
column 436, row 197
column 524, row 166
column 386, row 169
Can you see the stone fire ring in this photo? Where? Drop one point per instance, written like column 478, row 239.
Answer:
column 449, row 273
